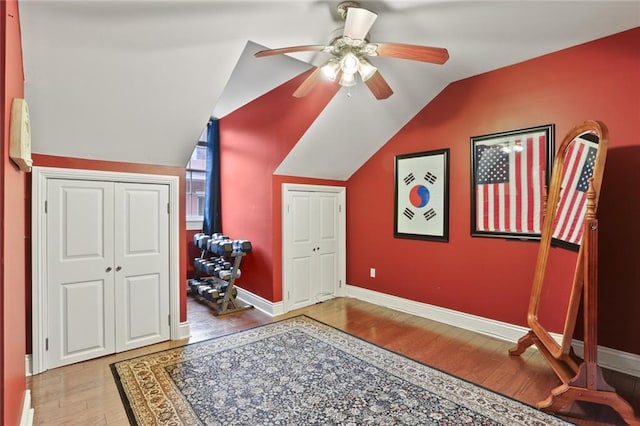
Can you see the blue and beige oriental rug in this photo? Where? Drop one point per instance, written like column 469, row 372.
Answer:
column 302, row 372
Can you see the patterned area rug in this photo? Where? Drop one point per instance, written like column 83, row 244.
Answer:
column 302, row 372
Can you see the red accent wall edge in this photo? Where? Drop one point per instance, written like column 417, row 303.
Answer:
column 12, row 284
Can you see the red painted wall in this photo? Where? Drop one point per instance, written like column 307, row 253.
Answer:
column 492, row 277
column 79, row 163
column 12, row 217
column 253, row 142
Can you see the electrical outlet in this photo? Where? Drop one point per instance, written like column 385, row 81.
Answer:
column 372, row 272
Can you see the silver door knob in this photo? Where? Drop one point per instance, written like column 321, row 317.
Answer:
column 108, row 269
column 118, row 268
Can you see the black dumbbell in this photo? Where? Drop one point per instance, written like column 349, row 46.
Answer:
column 221, row 247
column 227, row 274
column 196, row 237
column 242, row 246
column 203, row 241
column 202, row 289
column 212, row 294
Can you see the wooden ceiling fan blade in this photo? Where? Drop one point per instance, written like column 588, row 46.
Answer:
column 435, row 55
column 290, row 49
column 379, row 86
column 358, row 23
column 309, row 83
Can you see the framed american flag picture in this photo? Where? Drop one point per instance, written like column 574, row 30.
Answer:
column 509, row 175
column 422, row 196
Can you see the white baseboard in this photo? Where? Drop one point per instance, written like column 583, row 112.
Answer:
column 28, row 366
column 613, row 359
column 184, row 331
column 269, row 308
column 26, row 418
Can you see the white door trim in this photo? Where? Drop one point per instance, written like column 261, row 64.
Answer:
column 39, row 313
column 341, row 191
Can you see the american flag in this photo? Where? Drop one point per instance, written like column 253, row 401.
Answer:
column 510, row 178
column 578, row 166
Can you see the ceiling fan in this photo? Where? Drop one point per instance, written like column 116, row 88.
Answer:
column 350, row 51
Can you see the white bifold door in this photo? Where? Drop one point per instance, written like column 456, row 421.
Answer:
column 313, row 244
column 107, row 268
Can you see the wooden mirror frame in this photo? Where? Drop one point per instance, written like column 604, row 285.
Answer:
column 562, row 350
column 582, row 379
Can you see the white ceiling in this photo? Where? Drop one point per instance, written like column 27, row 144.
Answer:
column 136, row 81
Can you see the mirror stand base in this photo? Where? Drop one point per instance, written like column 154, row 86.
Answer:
column 565, row 394
column 581, row 382
column 565, row 367
column 587, row 384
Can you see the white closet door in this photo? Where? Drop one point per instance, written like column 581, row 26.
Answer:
column 311, row 266
column 300, row 262
column 141, row 265
column 80, row 271
column 326, row 238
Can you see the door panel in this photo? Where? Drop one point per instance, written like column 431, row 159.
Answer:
column 142, row 291
column 301, row 267
column 142, row 265
column 84, row 313
column 328, row 223
column 327, row 244
column 79, row 271
column 300, row 295
column 328, row 272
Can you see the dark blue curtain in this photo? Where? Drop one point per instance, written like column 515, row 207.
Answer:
column 212, row 209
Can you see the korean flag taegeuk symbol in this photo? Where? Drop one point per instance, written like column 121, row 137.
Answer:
column 420, row 195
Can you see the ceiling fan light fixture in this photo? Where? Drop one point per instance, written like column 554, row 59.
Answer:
column 349, row 53
column 349, row 63
column 330, row 69
column 348, row 80
column 366, row 70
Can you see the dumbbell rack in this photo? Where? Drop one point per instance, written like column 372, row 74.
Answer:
column 228, row 303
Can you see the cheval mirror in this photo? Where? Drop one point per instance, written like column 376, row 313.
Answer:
column 570, row 223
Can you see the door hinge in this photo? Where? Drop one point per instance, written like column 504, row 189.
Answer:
column 339, row 208
column 46, row 344
column 168, row 208
column 288, row 208
column 45, row 206
column 169, row 320
column 288, row 295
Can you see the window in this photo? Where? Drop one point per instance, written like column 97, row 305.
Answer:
column 196, row 179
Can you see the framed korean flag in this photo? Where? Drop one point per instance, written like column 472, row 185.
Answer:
column 422, row 196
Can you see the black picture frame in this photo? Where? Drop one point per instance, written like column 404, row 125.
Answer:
column 421, row 196
column 510, row 172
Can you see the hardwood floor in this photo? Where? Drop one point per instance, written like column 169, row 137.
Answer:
column 85, row 393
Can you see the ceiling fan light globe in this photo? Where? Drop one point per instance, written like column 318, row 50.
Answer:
column 348, row 80
column 349, row 63
column 330, row 70
column 366, row 70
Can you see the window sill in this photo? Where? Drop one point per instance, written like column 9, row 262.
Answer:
column 194, row 225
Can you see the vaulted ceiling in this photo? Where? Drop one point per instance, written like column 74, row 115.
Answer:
column 136, row 81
